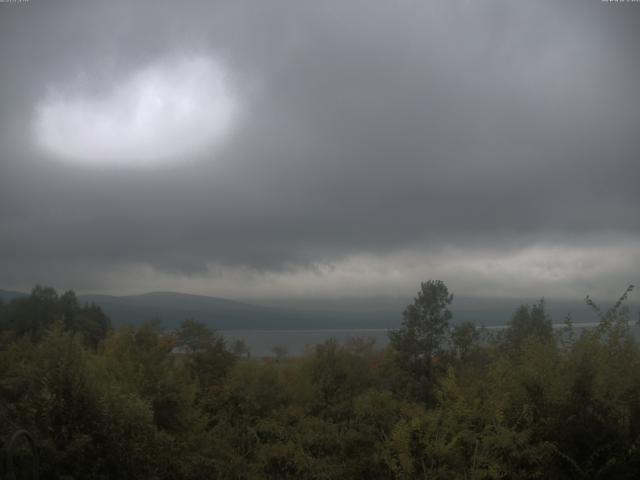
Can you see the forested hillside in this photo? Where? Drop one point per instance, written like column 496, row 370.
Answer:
column 441, row 401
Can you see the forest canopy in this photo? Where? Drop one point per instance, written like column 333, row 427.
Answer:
column 443, row 400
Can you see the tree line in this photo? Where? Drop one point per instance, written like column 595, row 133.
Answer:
column 441, row 401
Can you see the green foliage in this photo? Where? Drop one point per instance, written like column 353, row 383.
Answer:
column 529, row 321
column 143, row 403
column 32, row 316
column 207, row 356
column 421, row 338
column 84, row 428
column 464, row 338
column 337, row 376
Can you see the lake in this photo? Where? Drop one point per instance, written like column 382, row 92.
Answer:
column 297, row 342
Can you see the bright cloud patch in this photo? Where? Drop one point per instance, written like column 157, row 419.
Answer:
column 159, row 113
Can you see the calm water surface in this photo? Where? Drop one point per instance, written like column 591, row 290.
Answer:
column 296, row 342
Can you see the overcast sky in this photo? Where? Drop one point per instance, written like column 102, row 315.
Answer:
column 320, row 149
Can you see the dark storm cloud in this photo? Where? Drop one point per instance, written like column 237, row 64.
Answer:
column 367, row 128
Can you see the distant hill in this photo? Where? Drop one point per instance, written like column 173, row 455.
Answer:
column 376, row 312
column 480, row 310
column 172, row 308
column 366, row 313
column 222, row 314
column 7, row 295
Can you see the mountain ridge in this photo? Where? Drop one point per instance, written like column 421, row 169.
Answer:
column 171, row 308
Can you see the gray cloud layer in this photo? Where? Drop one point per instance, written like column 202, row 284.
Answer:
column 369, row 129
